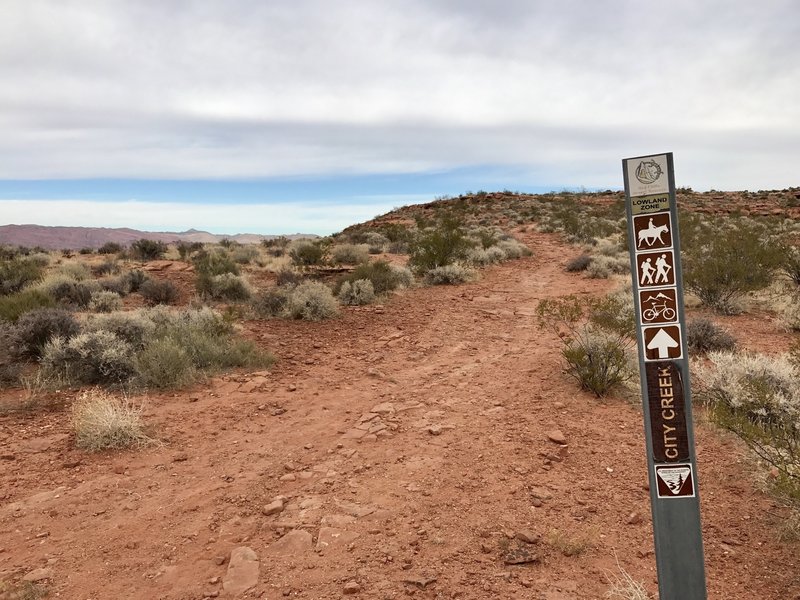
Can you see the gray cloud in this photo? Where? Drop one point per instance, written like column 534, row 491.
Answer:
column 248, row 88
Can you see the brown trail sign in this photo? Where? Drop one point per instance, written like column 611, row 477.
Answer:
column 667, row 405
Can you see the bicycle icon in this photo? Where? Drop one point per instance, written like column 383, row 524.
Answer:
column 659, row 307
column 659, row 310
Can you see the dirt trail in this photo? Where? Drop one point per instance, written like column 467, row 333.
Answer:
column 410, row 442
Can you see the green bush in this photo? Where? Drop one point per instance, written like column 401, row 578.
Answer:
column 104, row 302
column 37, row 327
column 110, row 248
column 358, row 293
column 448, row 275
column 349, row 254
column 312, row 301
column 438, row 247
column 107, row 267
column 73, row 293
column 305, row 253
column 726, row 263
column 597, row 336
column 703, row 335
column 159, row 292
column 17, row 272
column 16, row 305
column 145, row 249
column 227, row 287
column 381, row 274
column 244, row 255
column 758, row 399
column 270, row 303
column 164, row 363
column 134, row 328
column 134, row 279
column 791, row 264
column 186, row 249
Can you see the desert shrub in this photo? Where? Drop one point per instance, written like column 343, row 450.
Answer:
column 86, row 250
column 305, row 253
column 107, row 267
column 186, row 249
column 103, row 422
column 164, row 363
column 104, row 302
column 276, row 246
column 597, row 336
column 15, row 305
column 381, row 274
column 579, row 263
column 228, row 287
column 244, row 254
column 134, row 328
column 758, row 399
column 270, row 303
column 513, row 249
column 71, row 293
column 92, row 357
column 724, row 264
column 349, row 254
column 444, row 245
column 312, row 301
column 74, row 270
column 602, row 266
column 110, row 248
column 376, row 242
column 358, row 293
column 790, row 312
column 156, row 291
column 703, row 335
column 35, row 328
column 118, row 285
column 482, row 257
column 17, row 272
column 403, row 277
column 791, row 264
column 449, row 275
column 145, row 249
column 214, row 262
column 134, row 279
column 289, row 277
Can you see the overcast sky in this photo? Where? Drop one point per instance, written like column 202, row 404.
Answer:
column 336, row 111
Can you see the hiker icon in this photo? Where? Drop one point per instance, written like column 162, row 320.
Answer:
column 662, row 269
column 647, row 272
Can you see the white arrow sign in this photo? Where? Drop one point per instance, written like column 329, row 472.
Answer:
column 662, row 341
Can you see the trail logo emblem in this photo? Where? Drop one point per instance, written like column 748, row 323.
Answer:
column 675, row 481
column 648, row 171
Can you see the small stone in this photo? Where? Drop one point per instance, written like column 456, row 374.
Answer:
column 634, row 518
column 182, row 457
column 435, row 429
column 8, row 457
column 557, row 437
column 273, row 508
column 291, row 387
column 293, row 543
column 219, row 560
column 288, row 477
column 527, row 536
column 351, row 587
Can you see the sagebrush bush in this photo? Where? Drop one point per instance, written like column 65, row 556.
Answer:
column 598, row 360
column 134, row 278
column 118, row 285
column 107, row 267
column 103, row 422
column 376, row 242
column 228, row 287
column 757, row 398
column 245, row 254
column 444, row 245
column 104, row 302
column 358, row 293
column 145, row 249
column 449, row 275
column 312, row 301
column 164, row 363
column 156, row 291
column 482, row 257
column 75, row 271
column 383, row 276
column 511, row 248
column 92, row 357
column 349, row 254
column 15, row 305
column 703, row 335
column 791, row 264
column 305, row 253
column 110, row 248
column 37, row 327
column 602, row 266
column 210, row 264
column 579, row 263
column 135, row 328
column 17, row 272
column 270, row 303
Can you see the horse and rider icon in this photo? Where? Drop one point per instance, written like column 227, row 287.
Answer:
column 656, row 234
column 656, row 269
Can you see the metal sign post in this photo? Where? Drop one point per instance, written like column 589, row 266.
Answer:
column 658, row 300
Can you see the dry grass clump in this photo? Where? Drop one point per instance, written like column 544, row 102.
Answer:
column 102, row 421
column 312, row 301
column 358, row 293
column 625, row 587
column 105, row 302
column 449, row 275
column 350, row 254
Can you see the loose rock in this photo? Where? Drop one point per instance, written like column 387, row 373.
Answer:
column 242, row 572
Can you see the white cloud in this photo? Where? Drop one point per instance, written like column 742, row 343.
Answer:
column 251, row 88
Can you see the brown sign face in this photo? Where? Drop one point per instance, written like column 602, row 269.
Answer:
column 662, row 343
column 667, row 412
column 658, row 306
column 656, row 269
column 675, row 481
column 652, row 231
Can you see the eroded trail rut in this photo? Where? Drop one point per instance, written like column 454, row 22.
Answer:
column 410, row 442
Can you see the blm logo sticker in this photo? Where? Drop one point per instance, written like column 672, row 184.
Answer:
column 674, row 481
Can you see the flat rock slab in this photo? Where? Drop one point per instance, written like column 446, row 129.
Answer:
column 242, row 572
column 297, row 541
column 331, row 537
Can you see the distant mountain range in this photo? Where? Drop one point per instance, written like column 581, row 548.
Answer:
column 56, row 238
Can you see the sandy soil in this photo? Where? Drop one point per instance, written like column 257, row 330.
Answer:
column 409, row 443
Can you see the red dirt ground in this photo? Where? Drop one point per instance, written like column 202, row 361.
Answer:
column 410, row 440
